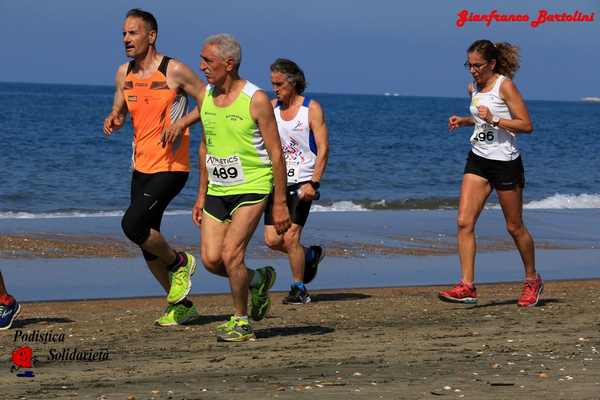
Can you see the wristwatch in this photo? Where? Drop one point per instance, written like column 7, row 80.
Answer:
column 495, row 121
column 316, row 185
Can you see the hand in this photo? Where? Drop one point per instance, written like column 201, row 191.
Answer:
column 281, row 218
column 197, row 212
column 485, row 113
column 454, row 122
column 171, row 133
column 113, row 122
column 307, row 192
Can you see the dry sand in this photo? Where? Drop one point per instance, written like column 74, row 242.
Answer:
column 395, row 343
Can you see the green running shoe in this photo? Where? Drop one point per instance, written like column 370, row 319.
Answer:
column 260, row 303
column 177, row 314
column 181, row 280
column 235, row 330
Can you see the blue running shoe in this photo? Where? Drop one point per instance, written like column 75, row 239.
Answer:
column 8, row 313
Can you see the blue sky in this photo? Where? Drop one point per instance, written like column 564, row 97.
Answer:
column 376, row 46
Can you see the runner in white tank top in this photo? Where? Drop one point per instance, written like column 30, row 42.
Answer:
column 498, row 113
column 489, row 141
column 298, row 141
column 303, row 134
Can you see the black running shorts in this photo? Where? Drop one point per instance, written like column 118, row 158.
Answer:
column 222, row 208
column 299, row 209
column 502, row 175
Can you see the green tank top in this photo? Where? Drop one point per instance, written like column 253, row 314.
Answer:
column 237, row 161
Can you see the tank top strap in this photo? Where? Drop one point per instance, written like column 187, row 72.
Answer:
column 130, row 67
column 250, row 88
column 164, row 64
column 496, row 88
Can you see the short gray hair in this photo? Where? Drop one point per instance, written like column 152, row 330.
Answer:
column 227, row 47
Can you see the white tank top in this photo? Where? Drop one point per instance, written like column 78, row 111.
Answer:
column 487, row 141
column 298, row 143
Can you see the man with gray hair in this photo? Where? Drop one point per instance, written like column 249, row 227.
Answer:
column 303, row 133
column 240, row 162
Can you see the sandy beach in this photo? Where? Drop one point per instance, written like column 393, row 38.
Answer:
column 399, row 343
column 374, row 330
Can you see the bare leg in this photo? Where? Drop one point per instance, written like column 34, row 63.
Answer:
column 288, row 243
column 236, row 240
column 157, row 245
column 512, row 207
column 212, row 236
column 159, row 270
column 2, row 286
column 474, row 192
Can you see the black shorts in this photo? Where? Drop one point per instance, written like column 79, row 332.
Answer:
column 502, row 175
column 222, row 208
column 299, row 209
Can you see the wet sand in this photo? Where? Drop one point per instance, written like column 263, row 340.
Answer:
column 52, row 246
column 394, row 343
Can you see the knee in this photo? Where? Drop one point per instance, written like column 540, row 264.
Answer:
column 273, row 240
column 465, row 224
column 134, row 227
column 515, row 229
column 291, row 239
column 212, row 262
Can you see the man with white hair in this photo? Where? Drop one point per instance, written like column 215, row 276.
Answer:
column 241, row 160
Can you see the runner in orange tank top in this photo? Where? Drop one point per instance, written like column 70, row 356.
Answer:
column 153, row 89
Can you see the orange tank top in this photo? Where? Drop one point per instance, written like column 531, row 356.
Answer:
column 153, row 107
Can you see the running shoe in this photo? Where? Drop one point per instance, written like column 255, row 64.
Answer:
column 181, row 280
column 177, row 314
column 259, row 295
column 235, row 330
column 461, row 293
column 296, row 296
column 313, row 257
column 9, row 310
column 532, row 292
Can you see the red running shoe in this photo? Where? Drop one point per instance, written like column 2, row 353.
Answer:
column 461, row 293
column 532, row 292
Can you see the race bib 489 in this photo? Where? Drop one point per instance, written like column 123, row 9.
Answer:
column 225, row 170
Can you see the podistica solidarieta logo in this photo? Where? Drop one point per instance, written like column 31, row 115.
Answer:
column 40, row 347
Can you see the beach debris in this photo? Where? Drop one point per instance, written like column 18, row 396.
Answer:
column 501, row 383
column 447, row 387
column 131, row 397
column 357, row 374
column 543, row 375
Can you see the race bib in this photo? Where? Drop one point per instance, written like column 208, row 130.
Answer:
column 483, row 134
column 293, row 171
column 225, row 171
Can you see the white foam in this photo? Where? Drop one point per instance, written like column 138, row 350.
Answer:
column 74, row 214
column 339, row 206
column 566, row 201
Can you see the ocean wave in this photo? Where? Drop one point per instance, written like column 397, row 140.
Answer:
column 570, row 201
column 338, row 206
column 556, row 201
column 73, row 214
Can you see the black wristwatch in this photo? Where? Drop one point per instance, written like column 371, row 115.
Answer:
column 316, row 185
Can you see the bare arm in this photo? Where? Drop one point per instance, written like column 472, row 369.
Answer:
column 316, row 120
column 520, row 122
column 116, row 119
column 456, row 121
column 183, row 78
column 262, row 112
column 202, row 185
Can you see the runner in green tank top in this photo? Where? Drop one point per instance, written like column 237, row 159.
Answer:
column 240, row 161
